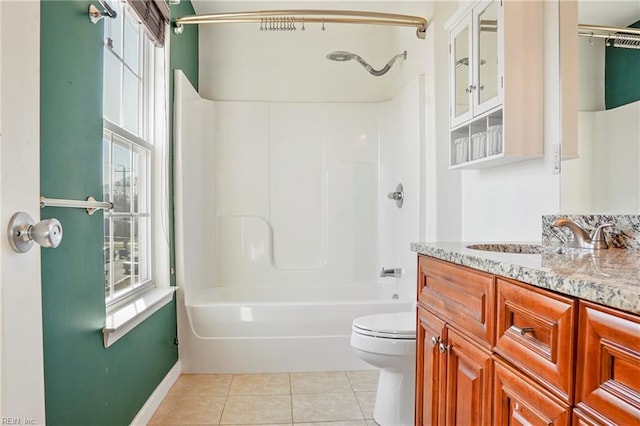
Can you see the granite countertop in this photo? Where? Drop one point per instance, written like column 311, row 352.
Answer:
column 609, row 277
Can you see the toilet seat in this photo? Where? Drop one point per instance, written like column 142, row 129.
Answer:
column 401, row 326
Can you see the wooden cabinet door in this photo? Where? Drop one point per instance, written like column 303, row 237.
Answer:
column 430, row 379
column 608, row 373
column 469, row 382
column 520, row 401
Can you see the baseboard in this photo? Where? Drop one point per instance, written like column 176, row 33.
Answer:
column 146, row 412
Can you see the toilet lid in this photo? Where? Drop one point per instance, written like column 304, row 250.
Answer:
column 401, row 325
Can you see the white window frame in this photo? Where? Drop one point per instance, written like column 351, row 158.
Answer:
column 125, row 312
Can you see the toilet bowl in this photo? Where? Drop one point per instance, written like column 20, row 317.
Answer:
column 388, row 342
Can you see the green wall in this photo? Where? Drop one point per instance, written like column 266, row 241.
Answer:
column 184, row 56
column 86, row 384
column 621, row 75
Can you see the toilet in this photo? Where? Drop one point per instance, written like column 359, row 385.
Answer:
column 388, row 342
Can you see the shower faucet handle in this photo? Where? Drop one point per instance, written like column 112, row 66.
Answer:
column 398, row 195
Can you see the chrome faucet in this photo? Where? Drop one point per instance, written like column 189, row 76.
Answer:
column 394, row 272
column 581, row 238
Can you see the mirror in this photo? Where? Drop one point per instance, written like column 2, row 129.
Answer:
column 488, row 52
column 461, row 55
column 603, row 177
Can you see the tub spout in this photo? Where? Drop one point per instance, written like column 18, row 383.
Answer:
column 393, row 272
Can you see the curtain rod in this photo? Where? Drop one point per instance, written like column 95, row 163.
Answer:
column 606, row 29
column 286, row 20
column 628, row 38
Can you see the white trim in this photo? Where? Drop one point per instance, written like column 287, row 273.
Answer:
column 155, row 399
column 21, row 359
column 126, row 318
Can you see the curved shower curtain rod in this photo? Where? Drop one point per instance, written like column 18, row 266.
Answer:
column 286, row 20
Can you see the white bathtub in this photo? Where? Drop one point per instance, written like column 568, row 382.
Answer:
column 268, row 329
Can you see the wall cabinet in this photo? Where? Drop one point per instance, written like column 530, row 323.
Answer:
column 496, row 83
column 492, row 350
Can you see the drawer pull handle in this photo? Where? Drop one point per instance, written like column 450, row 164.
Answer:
column 522, row 331
column 435, row 340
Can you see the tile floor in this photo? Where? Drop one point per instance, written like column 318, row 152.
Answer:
column 341, row 398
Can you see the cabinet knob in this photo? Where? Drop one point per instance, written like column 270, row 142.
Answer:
column 444, row 348
column 435, row 340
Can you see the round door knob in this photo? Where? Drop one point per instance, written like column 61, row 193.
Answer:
column 47, row 233
column 22, row 232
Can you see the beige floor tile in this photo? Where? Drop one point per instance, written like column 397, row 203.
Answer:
column 322, row 382
column 201, row 385
column 362, row 381
column 257, row 410
column 320, row 407
column 183, row 410
column 260, row 384
column 367, row 401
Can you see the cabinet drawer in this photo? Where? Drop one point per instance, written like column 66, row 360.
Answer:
column 518, row 400
column 459, row 295
column 608, row 373
column 536, row 332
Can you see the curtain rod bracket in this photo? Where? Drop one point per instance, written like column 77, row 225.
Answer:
column 95, row 15
column 177, row 28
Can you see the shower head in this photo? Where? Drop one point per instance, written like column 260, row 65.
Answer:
column 342, row 56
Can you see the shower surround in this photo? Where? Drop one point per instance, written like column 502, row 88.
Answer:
column 283, row 163
column 283, row 224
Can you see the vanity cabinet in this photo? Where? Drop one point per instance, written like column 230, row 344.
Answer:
column 496, row 59
column 492, row 350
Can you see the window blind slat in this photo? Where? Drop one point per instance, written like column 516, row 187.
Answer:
column 153, row 14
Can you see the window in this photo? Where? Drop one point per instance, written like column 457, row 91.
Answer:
column 133, row 139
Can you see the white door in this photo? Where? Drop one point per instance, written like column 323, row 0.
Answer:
column 21, row 356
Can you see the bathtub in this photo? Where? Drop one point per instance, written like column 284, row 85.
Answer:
column 269, row 329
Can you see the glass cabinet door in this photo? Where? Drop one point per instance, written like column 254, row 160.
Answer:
column 461, row 72
column 486, row 93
